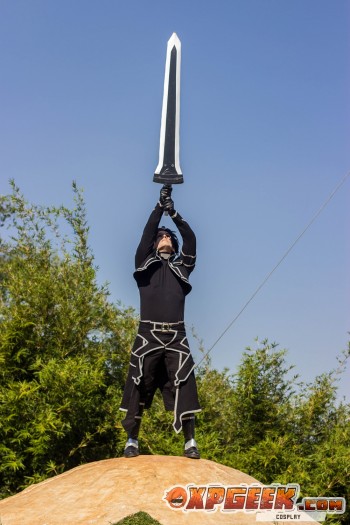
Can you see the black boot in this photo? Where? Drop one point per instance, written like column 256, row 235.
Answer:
column 191, row 450
column 131, row 449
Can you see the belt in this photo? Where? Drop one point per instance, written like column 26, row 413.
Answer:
column 164, row 327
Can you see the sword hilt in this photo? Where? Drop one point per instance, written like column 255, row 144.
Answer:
column 169, row 189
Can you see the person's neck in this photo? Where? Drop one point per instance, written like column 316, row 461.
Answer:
column 165, row 255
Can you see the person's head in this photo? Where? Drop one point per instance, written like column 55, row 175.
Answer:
column 166, row 241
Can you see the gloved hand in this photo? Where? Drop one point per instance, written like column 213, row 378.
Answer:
column 165, row 193
column 169, row 206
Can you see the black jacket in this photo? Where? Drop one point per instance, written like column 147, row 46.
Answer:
column 146, row 255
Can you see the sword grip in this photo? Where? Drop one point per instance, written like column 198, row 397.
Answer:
column 169, row 189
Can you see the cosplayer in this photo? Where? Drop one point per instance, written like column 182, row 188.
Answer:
column 161, row 357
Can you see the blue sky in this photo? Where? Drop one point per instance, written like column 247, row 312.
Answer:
column 265, row 122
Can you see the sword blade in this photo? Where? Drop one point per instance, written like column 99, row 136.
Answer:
column 168, row 170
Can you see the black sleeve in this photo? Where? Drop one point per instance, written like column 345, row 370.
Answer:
column 145, row 248
column 188, row 251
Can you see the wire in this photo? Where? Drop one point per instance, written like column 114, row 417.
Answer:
column 309, row 224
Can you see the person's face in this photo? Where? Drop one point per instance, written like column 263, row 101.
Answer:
column 163, row 242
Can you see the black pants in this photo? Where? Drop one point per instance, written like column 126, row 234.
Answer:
column 160, row 359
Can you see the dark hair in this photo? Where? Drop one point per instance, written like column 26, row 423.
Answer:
column 174, row 239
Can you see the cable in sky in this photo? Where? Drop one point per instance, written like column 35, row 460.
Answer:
column 309, row 224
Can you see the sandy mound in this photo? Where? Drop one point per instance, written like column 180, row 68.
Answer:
column 104, row 492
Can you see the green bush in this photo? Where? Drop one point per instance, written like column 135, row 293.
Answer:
column 63, row 346
column 140, row 518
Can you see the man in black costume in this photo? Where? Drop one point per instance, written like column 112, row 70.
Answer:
column 161, row 357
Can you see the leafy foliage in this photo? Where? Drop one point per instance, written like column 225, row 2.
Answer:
column 63, row 346
column 298, row 433
column 64, row 352
column 140, row 518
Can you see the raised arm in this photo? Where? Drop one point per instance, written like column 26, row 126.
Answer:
column 188, row 251
column 146, row 246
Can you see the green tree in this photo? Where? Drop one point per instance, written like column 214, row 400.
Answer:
column 277, row 429
column 63, row 345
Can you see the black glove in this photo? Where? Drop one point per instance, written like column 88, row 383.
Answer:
column 169, row 206
column 165, row 193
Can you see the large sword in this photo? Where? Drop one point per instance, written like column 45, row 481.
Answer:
column 168, row 170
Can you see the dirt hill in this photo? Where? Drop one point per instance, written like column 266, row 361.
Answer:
column 104, row 492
